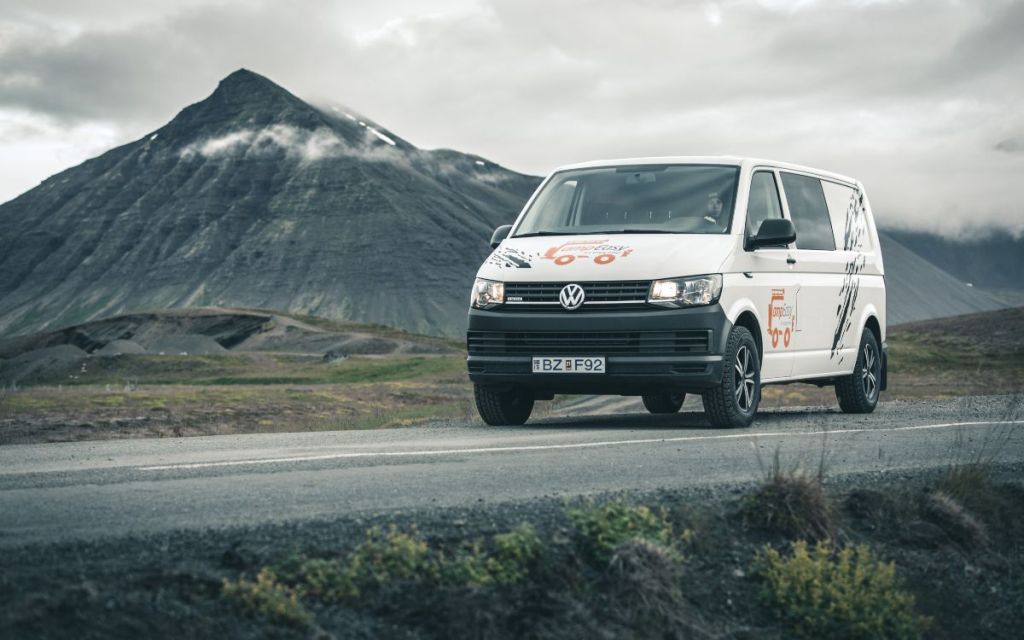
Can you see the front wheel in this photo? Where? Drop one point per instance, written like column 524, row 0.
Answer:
column 733, row 401
column 858, row 392
column 664, row 402
column 503, row 407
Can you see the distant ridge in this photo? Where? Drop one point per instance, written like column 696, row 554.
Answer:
column 916, row 289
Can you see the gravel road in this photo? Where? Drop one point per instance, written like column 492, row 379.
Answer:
column 93, row 490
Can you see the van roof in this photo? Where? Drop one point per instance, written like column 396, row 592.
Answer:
column 722, row 160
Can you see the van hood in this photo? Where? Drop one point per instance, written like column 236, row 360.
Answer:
column 607, row 257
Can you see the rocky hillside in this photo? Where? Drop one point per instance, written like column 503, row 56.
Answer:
column 256, row 198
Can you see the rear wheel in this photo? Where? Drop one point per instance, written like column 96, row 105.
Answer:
column 503, row 407
column 664, row 402
column 858, row 392
column 733, row 401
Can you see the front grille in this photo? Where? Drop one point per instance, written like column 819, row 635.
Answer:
column 596, row 292
column 539, row 343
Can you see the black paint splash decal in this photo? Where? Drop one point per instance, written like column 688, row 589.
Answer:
column 853, row 238
column 847, row 304
column 510, row 258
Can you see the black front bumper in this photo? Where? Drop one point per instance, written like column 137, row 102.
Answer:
column 647, row 351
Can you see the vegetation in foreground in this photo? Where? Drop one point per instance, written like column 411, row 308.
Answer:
column 901, row 560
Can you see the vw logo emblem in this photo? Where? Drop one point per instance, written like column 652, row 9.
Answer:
column 571, row 297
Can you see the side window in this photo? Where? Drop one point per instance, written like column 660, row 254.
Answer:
column 809, row 212
column 849, row 218
column 764, row 201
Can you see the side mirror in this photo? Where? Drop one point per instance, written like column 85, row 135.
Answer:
column 774, row 232
column 500, row 234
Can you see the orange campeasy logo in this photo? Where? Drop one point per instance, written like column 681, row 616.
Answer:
column 600, row 251
column 781, row 319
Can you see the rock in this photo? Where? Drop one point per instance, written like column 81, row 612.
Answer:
column 335, row 355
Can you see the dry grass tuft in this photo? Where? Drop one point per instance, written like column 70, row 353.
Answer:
column 958, row 523
column 644, row 574
column 791, row 503
column 643, row 578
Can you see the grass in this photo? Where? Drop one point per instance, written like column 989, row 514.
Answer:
column 954, row 361
column 49, row 414
column 845, row 594
column 791, row 502
column 250, row 369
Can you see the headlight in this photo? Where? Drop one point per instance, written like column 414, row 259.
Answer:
column 487, row 294
column 686, row 292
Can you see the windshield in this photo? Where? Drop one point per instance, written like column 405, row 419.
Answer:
column 639, row 199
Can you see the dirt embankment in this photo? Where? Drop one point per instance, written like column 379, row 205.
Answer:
column 712, row 563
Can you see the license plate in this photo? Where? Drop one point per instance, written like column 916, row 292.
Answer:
column 572, row 364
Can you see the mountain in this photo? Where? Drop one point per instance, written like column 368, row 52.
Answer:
column 256, row 198
column 916, row 289
column 993, row 261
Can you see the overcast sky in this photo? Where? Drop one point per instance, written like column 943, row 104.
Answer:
column 921, row 100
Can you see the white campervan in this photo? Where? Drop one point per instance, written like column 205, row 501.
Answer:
column 659, row 277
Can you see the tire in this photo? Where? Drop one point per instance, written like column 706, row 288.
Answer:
column 859, row 391
column 503, row 408
column 664, row 402
column 733, row 401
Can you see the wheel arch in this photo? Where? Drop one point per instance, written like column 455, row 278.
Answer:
column 744, row 314
column 869, row 320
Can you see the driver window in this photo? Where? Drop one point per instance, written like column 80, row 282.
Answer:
column 764, row 202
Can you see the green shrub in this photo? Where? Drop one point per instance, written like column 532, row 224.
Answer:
column 506, row 564
column 603, row 528
column 822, row 593
column 326, row 580
column 269, row 598
column 383, row 558
column 389, row 557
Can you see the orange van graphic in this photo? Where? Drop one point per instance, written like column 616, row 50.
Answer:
column 781, row 319
column 600, row 251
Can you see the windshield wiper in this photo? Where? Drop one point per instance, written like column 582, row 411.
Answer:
column 634, row 231
column 551, row 233
column 597, row 232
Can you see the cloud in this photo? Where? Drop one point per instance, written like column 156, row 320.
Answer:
column 1011, row 145
column 302, row 144
column 306, row 145
column 908, row 96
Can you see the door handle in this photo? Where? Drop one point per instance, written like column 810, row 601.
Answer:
column 790, row 260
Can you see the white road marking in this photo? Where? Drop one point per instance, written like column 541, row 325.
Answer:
column 551, row 447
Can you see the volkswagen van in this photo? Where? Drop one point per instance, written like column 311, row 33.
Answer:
column 662, row 277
